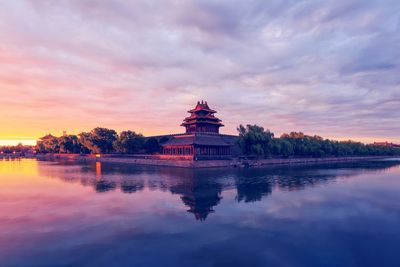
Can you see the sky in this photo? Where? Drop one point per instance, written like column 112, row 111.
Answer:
column 327, row 67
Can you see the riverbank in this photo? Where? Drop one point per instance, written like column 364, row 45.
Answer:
column 188, row 163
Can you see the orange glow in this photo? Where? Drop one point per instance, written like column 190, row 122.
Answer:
column 18, row 167
column 27, row 142
column 98, row 170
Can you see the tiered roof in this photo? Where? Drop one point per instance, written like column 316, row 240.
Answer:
column 202, row 114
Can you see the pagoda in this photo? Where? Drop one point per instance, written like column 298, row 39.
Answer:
column 202, row 120
column 202, row 139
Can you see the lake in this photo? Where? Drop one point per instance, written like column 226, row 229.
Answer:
column 98, row 214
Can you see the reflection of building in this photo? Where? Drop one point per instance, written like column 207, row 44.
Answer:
column 252, row 191
column 200, row 206
column 202, row 139
column 201, row 189
column 199, row 200
column 199, row 194
column 132, row 186
column 105, row 185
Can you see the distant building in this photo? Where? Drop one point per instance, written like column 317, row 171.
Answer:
column 202, row 139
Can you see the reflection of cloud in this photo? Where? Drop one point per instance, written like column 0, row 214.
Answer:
column 326, row 67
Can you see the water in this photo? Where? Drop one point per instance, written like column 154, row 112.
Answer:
column 68, row 214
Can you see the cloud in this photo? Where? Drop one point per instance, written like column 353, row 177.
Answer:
column 324, row 67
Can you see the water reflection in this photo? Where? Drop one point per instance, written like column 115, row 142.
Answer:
column 132, row 186
column 200, row 195
column 201, row 190
column 68, row 214
column 251, row 189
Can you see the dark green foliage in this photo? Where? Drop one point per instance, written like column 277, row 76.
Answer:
column 86, row 141
column 129, row 142
column 103, row 139
column 20, row 149
column 163, row 140
column 69, row 144
column 283, row 147
column 152, row 146
column 254, row 141
column 99, row 140
column 316, row 146
column 48, row 144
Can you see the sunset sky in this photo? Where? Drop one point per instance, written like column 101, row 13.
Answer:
column 330, row 68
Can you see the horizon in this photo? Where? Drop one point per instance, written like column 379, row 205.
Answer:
column 32, row 142
column 328, row 69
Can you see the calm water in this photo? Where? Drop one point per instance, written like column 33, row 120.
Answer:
column 66, row 214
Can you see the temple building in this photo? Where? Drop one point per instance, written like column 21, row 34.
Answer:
column 202, row 120
column 202, row 139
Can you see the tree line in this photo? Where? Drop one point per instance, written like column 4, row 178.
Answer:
column 19, row 149
column 99, row 141
column 255, row 141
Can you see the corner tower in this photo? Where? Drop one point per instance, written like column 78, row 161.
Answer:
column 202, row 120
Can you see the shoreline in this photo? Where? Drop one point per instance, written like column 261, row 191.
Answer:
column 230, row 163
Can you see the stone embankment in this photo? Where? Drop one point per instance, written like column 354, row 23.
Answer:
column 189, row 163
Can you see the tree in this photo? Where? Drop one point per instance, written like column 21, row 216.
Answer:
column 163, row 140
column 254, row 140
column 87, row 145
column 69, row 144
column 48, row 144
column 99, row 140
column 286, row 148
column 19, row 148
column 152, row 146
column 129, row 142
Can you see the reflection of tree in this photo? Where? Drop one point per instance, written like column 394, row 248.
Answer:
column 200, row 190
column 104, row 186
column 296, row 182
column 132, row 186
column 251, row 191
column 253, row 184
column 301, row 177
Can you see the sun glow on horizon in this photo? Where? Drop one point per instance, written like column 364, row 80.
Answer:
column 15, row 142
